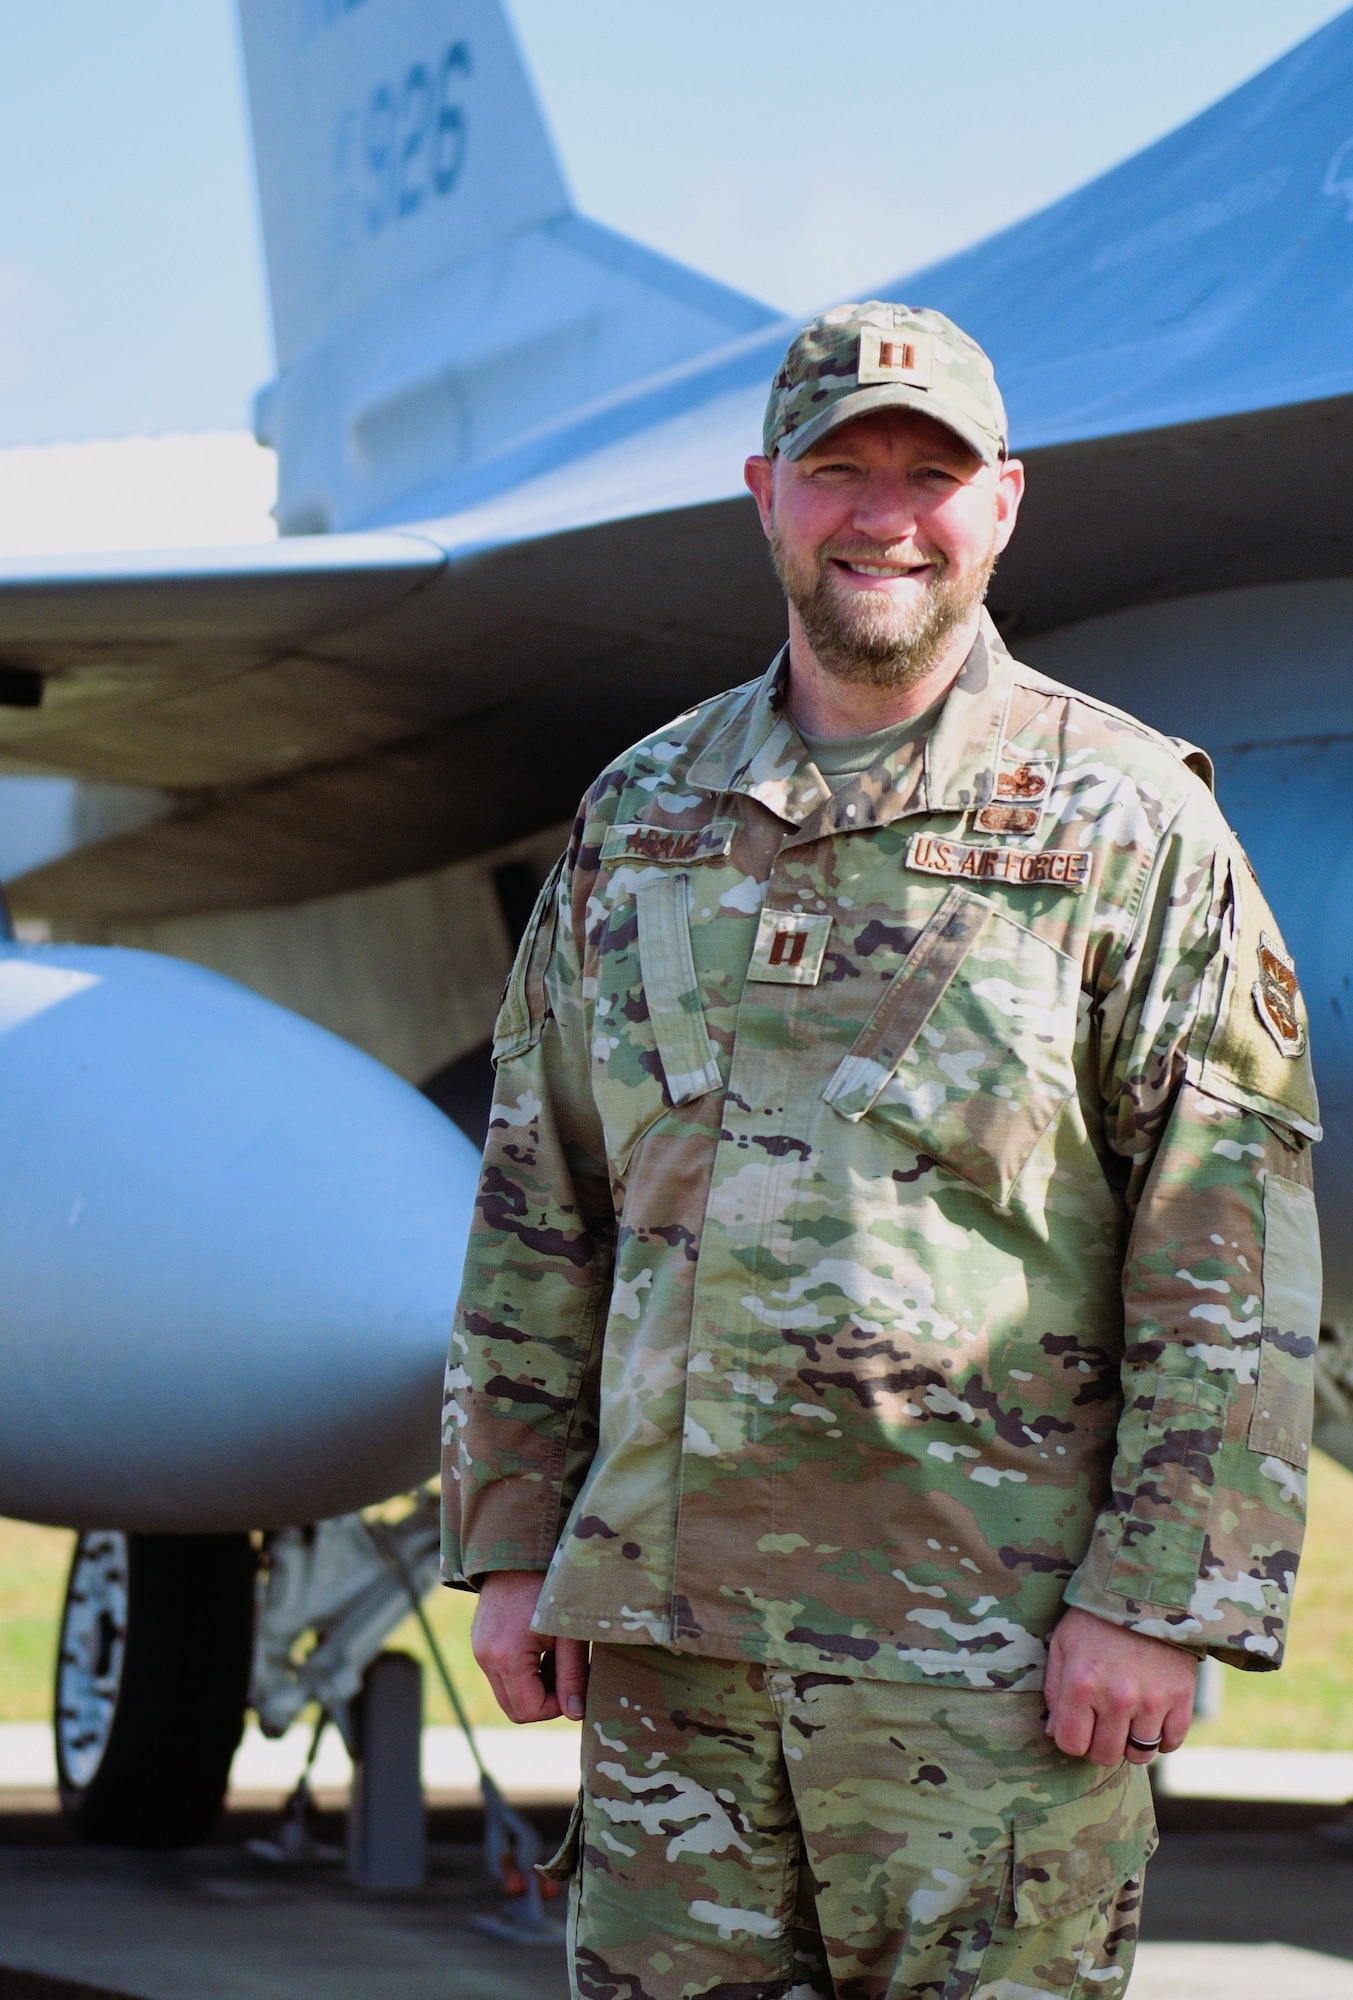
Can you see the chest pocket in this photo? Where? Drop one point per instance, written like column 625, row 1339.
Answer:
column 969, row 1054
column 651, row 1049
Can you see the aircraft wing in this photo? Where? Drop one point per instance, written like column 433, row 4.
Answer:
column 326, row 713
column 335, row 711
column 329, row 712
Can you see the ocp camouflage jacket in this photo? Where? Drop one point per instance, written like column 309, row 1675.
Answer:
column 896, row 1217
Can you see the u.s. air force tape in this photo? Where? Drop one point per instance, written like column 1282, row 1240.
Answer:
column 674, row 846
column 1061, row 868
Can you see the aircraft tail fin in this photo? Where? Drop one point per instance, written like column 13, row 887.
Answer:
column 391, row 137
column 434, row 296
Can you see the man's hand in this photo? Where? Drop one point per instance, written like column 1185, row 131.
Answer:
column 1104, row 1682
column 534, row 1677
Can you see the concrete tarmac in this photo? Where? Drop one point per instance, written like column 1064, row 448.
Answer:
column 213, row 1924
column 1234, row 1911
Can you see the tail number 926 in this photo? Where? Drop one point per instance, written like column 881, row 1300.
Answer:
column 405, row 149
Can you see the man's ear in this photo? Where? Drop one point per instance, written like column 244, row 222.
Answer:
column 1009, row 493
column 759, row 473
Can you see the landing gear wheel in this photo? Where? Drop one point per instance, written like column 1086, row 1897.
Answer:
column 151, row 1682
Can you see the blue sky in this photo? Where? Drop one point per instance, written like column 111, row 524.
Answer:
column 743, row 136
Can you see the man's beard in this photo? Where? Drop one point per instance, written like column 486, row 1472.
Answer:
column 868, row 638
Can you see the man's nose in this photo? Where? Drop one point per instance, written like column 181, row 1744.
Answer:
column 886, row 511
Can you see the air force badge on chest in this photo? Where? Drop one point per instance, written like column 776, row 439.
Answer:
column 1022, row 792
column 790, row 947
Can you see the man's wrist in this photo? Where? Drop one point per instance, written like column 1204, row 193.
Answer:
column 1126, row 1624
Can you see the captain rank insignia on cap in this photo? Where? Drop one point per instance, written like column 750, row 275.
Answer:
column 895, row 357
column 1275, row 997
column 790, row 947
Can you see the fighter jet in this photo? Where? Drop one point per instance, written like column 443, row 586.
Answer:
column 328, row 774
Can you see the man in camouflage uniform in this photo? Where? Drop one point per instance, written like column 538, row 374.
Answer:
column 886, row 1336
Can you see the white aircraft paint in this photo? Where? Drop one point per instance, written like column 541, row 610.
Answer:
column 230, row 1247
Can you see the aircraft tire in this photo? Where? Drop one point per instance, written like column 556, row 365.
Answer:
column 151, row 1683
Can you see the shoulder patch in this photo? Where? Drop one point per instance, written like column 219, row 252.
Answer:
column 1277, row 997
column 1258, row 1053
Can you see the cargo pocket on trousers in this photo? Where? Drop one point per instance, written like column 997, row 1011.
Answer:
column 564, row 1863
column 1068, row 1856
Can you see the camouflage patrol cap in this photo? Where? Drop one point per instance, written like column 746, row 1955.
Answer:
column 877, row 356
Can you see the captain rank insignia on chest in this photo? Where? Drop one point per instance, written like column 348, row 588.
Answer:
column 790, row 947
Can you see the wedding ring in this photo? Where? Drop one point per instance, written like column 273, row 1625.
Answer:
column 1136, row 1743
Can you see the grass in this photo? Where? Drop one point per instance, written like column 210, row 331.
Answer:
column 1309, row 1706
column 33, row 1565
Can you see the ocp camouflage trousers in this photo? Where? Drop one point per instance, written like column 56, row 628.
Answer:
column 751, row 1834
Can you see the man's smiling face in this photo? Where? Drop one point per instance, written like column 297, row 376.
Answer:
column 884, row 536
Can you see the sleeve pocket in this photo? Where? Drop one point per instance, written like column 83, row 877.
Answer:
column 1068, row 1856
column 1285, row 1388
column 521, row 1017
